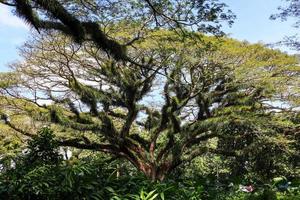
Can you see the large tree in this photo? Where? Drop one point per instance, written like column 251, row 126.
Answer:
column 217, row 96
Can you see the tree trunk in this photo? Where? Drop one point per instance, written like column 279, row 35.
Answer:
column 155, row 172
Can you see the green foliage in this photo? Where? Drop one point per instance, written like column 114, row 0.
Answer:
column 212, row 95
column 7, row 79
column 214, row 119
column 31, row 173
column 93, row 178
column 43, row 149
column 101, row 177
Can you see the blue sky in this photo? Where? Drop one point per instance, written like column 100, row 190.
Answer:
column 13, row 32
column 252, row 24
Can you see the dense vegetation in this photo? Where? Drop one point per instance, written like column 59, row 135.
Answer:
column 42, row 174
column 108, row 104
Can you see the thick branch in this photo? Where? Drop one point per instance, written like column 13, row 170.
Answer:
column 76, row 143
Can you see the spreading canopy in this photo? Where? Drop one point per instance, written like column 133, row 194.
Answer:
column 217, row 96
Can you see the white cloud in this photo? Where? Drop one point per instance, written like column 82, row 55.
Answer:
column 7, row 19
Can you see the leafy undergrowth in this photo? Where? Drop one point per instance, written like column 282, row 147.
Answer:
column 42, row 174
column 94, row 180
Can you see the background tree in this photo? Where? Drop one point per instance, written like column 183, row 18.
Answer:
column 218, row 98
column 88, row 20
column 290, row 10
